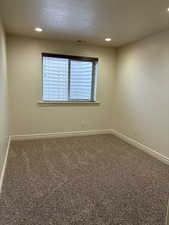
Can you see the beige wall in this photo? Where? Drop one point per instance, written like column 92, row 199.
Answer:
column 3, row 98
column 141, row 98
column 24, row 66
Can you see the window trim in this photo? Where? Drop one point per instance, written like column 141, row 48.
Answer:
column 73, row 57
column 77, row 58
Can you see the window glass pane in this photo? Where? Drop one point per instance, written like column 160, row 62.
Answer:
column 55, row 79
column 80, row 80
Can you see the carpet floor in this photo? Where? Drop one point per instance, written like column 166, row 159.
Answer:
column 92, row 180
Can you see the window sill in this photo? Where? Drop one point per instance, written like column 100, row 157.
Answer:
column 68, row 102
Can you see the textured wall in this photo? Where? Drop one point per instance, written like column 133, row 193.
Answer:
column 3, row 98
column 24, row 66
column 141, row 98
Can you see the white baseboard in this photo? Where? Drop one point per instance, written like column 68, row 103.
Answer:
column 59, row 134
column 140, row 146
column 123, row 137
column 4, row 164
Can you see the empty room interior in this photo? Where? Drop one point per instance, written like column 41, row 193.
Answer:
column 84, row 112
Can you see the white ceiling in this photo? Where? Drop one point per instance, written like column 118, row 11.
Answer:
column 88, row 20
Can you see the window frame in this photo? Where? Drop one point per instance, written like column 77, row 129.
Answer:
column 76, row 58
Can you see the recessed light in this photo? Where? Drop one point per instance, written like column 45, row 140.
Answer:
column 38, row 29
column 107, row 39
column 168, row 9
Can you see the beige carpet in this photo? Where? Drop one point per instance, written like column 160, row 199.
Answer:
column 93, row 180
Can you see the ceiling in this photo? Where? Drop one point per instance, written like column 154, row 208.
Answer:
column 87, row 20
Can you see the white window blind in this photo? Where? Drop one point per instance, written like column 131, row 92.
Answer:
column 81, row 80
column 68, row 79
column 55, row 79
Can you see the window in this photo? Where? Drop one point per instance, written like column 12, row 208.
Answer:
column 68, row 78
